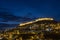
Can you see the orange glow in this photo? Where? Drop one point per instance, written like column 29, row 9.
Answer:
column 40, row 19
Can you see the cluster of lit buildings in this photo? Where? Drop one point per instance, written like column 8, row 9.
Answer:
column 33, row 30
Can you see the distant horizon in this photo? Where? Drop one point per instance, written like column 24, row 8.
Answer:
column 38, row 8
column 16, row 11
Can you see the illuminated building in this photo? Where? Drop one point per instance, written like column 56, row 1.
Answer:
column 34, row 29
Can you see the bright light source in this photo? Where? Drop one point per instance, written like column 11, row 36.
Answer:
column 26, row 23
column 40, row 19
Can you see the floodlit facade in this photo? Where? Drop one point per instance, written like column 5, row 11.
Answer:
column 33, row 30
column 39, row 19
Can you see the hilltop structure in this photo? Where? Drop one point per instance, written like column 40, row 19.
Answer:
column 35, row 29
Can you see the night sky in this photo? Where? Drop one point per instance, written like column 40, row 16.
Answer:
column 38, row 8
column 12, row 10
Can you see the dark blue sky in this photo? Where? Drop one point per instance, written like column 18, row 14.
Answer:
column 38, row 8
column 16, row 11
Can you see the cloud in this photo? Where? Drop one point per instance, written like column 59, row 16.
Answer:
column 10, row 17
column 9, row 20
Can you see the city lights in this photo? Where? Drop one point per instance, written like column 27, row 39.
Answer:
column 33, row 30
